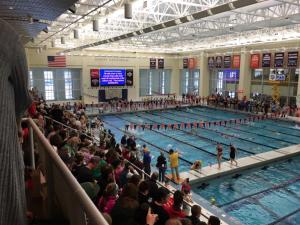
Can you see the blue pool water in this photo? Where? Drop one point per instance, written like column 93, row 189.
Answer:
column 251, row 138
column 263, row 196
column 268, row 195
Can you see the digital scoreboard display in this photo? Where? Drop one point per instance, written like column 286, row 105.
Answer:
column 112, row 77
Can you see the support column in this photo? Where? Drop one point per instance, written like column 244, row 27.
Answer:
column 204, row 75
column 245, row 75
column 298, row 93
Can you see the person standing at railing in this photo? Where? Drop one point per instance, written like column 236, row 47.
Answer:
column 146, row 160
column 161, row 164
column 174, row 163
column 14, row 100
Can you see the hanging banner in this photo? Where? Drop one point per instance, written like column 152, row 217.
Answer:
column 211, row 62
column 227, row 61
column 129, row 77
column 292, row 59
column 266, row 60
column 152, row 63
column 185, row 62
column 161, row 63
column 236, row 60
column 254, row 63
column 278, row 59
column 94, row 73
column 219, row 62
column 192, row 63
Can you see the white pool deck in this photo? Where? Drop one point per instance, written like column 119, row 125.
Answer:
column 261, row 159
column 211, row 172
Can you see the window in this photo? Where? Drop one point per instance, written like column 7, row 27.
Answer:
column 68, row 85
column 163, row 83
column 150, row 83
column 155, row 82
column 190, row 81
column 220, row 82
column 30, row 80
column 186, row 82
column 49, row 85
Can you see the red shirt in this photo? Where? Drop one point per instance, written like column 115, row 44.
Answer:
column 173, row 213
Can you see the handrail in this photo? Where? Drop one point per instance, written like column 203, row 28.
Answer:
column 89, row 208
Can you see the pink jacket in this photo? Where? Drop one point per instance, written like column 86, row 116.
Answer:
column 106, row 205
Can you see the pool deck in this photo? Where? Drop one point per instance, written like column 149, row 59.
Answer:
column 211, row 172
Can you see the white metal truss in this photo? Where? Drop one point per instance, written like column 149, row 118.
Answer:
column 243, row 26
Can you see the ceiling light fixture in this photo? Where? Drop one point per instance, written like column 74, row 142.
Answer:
column 46, row 30
column 95, row 25
column 128, row 10
column 73, row 9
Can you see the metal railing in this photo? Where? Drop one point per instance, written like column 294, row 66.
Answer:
column 63, row 190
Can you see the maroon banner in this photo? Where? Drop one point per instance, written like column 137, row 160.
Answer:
column 161, row 63
column 279, row 59
column 185, row 62
column 292, row 59
column 219, row 62
column 266, row 60
column 94, row 73
column 211, row 62
column 152, row 63
column 227, row 61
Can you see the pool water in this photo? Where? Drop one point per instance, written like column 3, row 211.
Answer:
column 268, row 195
column 251, row 138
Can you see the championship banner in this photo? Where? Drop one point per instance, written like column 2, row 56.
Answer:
column 227, row 61
column 278, row 59
column 185, row 63
column 236, row 61
column 292, row 59
column 266, row 60
column 129, row 77
column 94, row 73
column 219, row 62
column 192, row 63
column 211, row 62
column 161, row 63
column 152, row 63
column 254, row 62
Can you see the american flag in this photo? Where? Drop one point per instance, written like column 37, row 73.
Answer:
column 57, row 61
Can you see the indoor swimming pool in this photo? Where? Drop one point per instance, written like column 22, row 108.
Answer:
column 200, row 143
column 267, row 195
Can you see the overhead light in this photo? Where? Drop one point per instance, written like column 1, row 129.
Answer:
column 62, row 40
column 95, row 25
column 72, row 9
column 128, row 11
column 10, row 8
column 30, row 19
column 46, row 30
column 145, row 4
column 76, row 34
